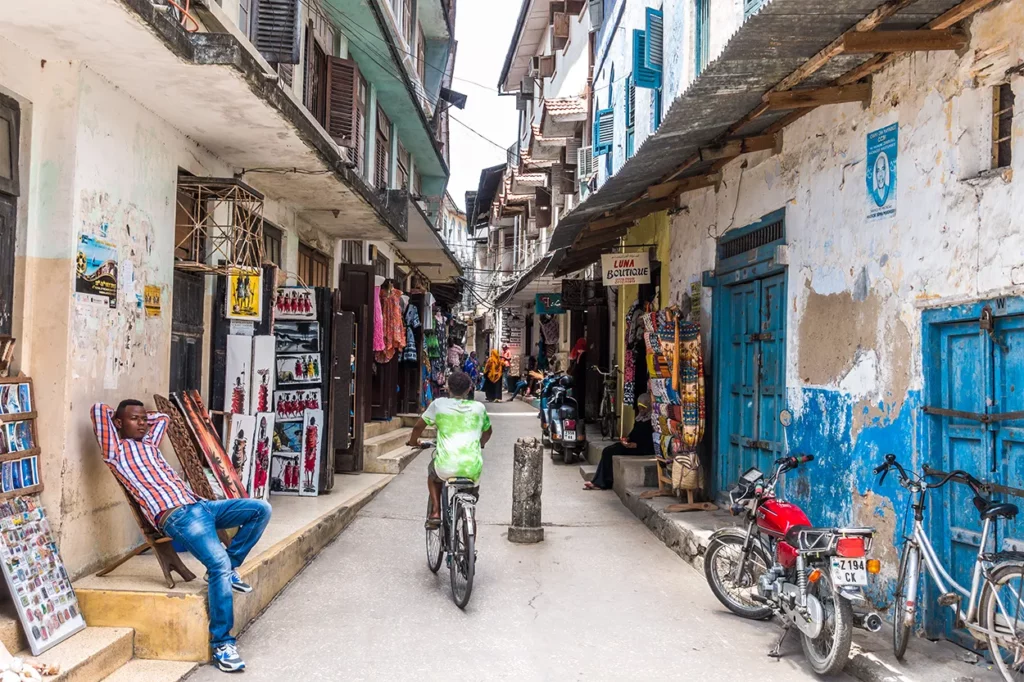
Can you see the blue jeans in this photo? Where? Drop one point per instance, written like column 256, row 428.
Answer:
column 195, row 526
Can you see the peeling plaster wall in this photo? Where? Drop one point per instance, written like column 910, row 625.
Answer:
column 96, row 162
column 856, row 288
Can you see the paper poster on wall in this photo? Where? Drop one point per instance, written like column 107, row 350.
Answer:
column 238, row 374
column 619, row 269
column 883, row 148
column 151, row 296
column 39, row 586
column 245, row 295
column 96, row 269
column 263, row 372
column 548, row 304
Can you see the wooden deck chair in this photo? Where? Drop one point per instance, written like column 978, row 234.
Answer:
column 155, row 540
column 664, row 465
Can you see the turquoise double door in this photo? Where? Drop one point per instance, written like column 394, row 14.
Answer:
column 750, row 386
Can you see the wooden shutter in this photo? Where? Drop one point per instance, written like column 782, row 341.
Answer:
column 342, row 98
column 604, row 131
column 643, row 76
column 382, row 172
column 655, row 34
column 275, row 30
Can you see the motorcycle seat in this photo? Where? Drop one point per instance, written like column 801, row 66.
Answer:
column 994, row 510
column 810, row 539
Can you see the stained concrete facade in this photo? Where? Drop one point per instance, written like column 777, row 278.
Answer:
column 857, row 289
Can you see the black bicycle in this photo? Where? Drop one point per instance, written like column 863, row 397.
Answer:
column 456, row 536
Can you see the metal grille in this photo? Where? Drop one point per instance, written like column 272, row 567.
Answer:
column 752, row 240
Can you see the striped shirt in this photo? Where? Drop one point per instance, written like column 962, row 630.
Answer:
column 139, row 465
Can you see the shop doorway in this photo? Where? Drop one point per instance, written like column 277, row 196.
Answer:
column 974, row 402
column 749, row 335
column 187, row 332
column 10, row 123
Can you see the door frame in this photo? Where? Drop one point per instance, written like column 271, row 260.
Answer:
column 10, row 190
column 757, row 263
column 932, row 322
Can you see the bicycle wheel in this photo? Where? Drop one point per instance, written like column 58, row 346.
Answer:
column 435, row 548
column 608, row 423
column 1002, row 609
column 462, row 562
column 902, row 622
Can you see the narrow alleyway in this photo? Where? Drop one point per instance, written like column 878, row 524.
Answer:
column 600, row 599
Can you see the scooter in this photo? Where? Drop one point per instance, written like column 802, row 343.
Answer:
column 547, row 388
column 568, row 433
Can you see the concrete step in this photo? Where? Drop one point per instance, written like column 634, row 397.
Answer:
column 12, row 636
column 142, row 670
column 391, row 462
column 90, row 655
column 374, row 448
column 408, row 419
column 374, row 429
column 587, row 471
column 172, row 624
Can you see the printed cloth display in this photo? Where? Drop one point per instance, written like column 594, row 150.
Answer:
column 378, row 321
column 676, row 385
column 394, row 330
column 412, row 321
column 432, row 344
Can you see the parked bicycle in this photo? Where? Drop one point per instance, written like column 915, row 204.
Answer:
column 455, row 538
column 994, row 614
column 606, row 416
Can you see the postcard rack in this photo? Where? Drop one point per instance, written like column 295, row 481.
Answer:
column 17, row 430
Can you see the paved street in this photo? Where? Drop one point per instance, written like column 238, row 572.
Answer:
column 600, row 599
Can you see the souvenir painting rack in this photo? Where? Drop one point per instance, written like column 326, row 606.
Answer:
column 33, row 451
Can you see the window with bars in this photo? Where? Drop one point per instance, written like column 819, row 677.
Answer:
column 351, row 252
column 359, row 152
column 316, row 77
column 403, row 168
column 314, row 267
column 421, row 58
column 1002, row 125
column 702, row 40
column 407, row 25
column 382, row 265
column 272, row 241
column 382, row 171
column 245, row 17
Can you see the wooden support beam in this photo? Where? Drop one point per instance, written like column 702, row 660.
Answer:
column 635, row 212
column 730, row 149
column 958, row 13
column 816, row 97
column 874, row 42
column 677, row 187
column 596, row 240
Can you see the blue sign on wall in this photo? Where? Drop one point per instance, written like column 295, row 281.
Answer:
column 548, row 304
column 883, row 146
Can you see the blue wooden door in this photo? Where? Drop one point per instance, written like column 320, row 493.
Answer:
column 752, row 376
column 979, row 372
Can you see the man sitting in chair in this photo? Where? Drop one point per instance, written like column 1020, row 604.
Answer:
column 130, row 438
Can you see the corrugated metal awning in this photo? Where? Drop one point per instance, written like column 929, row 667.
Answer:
column 774, row 43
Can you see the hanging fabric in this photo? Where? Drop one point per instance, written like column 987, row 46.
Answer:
column 394, row 330
column 378, row 321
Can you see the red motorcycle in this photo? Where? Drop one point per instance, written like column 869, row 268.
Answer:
column 781, row 565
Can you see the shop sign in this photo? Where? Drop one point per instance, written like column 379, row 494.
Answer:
column 245, row 295
column 883, row 147
column 626, row 268
column 96, row 269
column 548, row 304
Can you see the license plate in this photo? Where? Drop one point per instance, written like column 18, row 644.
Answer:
column 849, row 571
column 569, row 436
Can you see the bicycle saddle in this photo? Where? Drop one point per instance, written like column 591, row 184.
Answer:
column 462, row 482
column 994, row 510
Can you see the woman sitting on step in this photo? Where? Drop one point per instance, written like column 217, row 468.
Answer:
column 639, row 442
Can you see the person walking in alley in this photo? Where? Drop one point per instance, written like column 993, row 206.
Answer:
column 639, row 442
column 130, row 439
column 463, row 429
column 493, row 370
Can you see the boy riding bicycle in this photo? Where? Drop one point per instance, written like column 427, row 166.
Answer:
column 463, row 428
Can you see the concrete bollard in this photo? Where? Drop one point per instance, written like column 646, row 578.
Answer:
column 527, row 479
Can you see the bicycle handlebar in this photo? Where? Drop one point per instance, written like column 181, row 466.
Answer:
column 959, row 475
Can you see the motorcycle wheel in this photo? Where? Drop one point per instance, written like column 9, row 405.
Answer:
column 719, row 565
column 568, row 455
column 829, row 652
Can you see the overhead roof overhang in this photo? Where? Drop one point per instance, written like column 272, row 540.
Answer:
column 725, row 112
column 561, row 116
column 531, row 30
column 218, row 91
column 425, row 249
column 435, row 17
column 529, row 284
column 381, row 62
column 490, row 183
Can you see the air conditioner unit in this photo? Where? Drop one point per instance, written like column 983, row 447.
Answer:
column 596, row 9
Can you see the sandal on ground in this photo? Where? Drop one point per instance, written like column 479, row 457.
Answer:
column 590, row 486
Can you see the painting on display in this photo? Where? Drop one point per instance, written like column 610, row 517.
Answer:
column 290, row 405
column 36, row 579
column 259, row 488
column 297, row 337
column 16, row 437
column 19, row 474
column 191, row 462
column 262, row 388
column 238, row 374
column 312, row 431
column 295, row 303
column 285, row 460
column 240, row 443
column 245, row 295
column 298, row 369
column 15, row 399
column 96, row 269
column 205, row 438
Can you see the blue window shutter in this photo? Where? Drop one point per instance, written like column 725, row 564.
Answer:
column 604, row 131
column 643, row 76
column 751, row 7
column 656, row 109
column 629, row 101
column 655, row 39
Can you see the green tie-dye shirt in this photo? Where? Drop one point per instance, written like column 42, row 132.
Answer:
column 459, row 424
